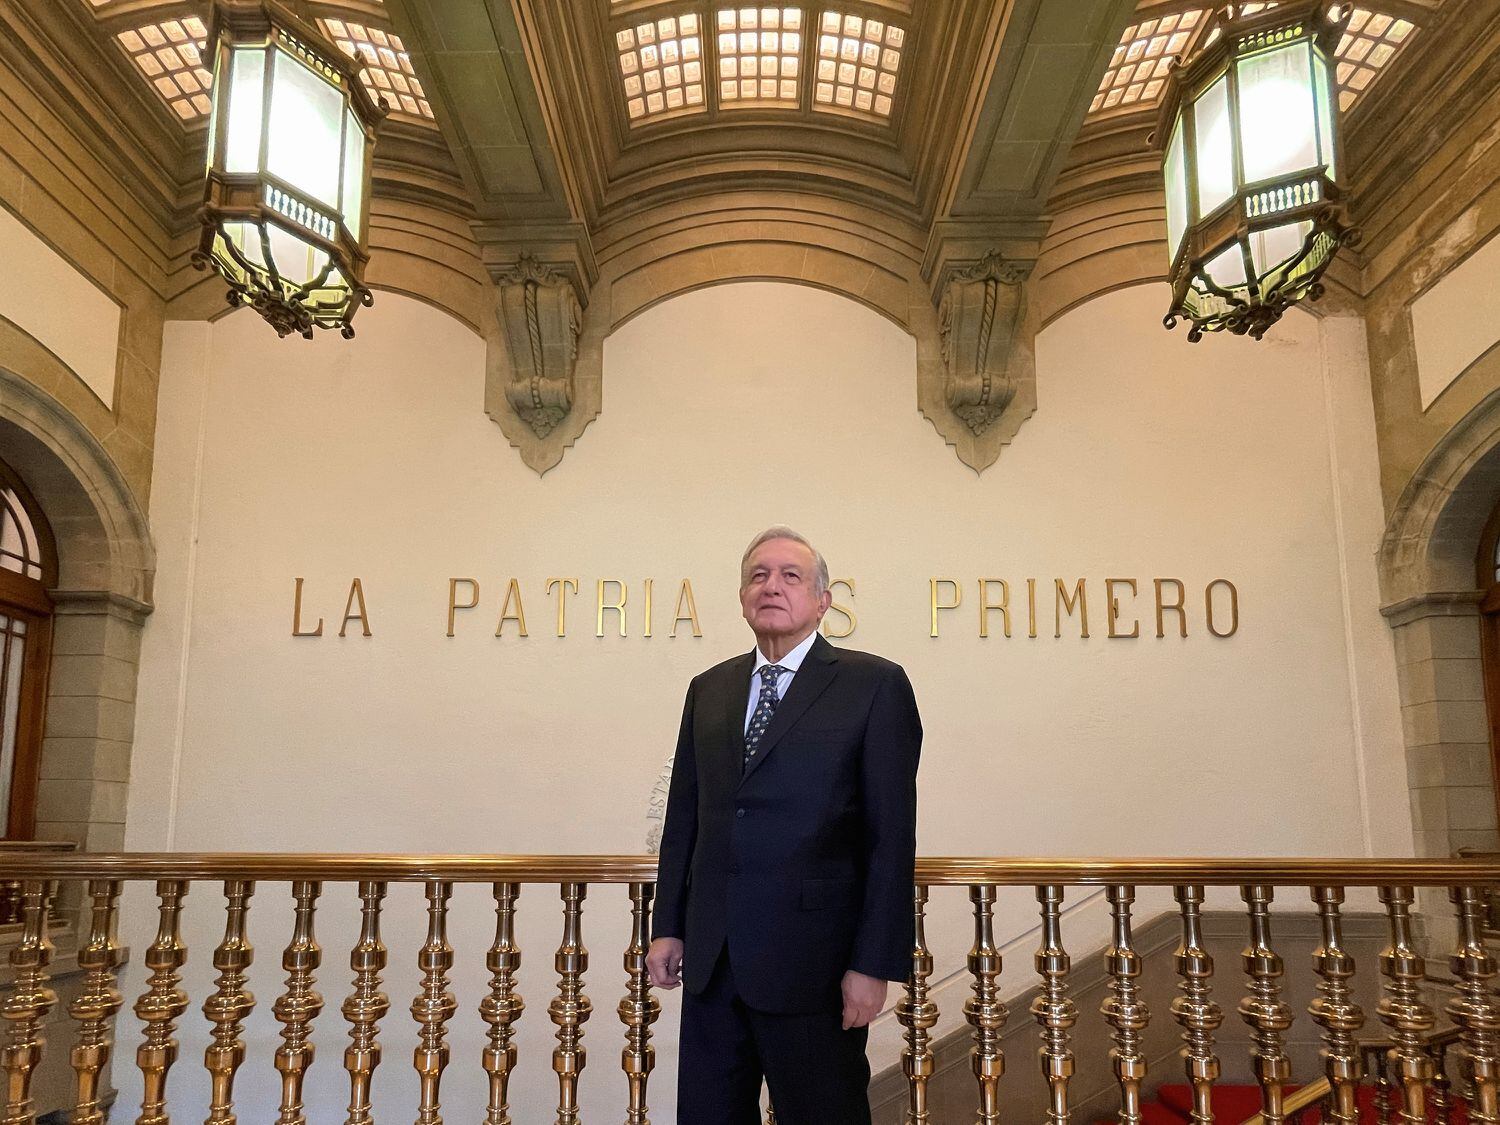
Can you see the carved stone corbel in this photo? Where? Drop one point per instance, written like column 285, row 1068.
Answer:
column 540, row 317
column 530, row 387
column 985, row 385
column 978, row 318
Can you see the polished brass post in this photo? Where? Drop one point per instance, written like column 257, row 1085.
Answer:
column 1053, row 1008
column 1334, row 1010
column 297, row 1007
column 98, row 1000
column 984, row 1011
column 570, row 1008
column 1442, row 1100
column 639, row 1009
column 366, row 1005
column 1123, row 1008
column 162, row 1004
column 1402, row 1008
column 1384, row 1099
column 30, row 1000
column 1473, row 1008
column 917, row 1013
column 1263, row 1009
column 434, row 1005
column 503, row 1006
column 230, row 1003
column 1194, row 1008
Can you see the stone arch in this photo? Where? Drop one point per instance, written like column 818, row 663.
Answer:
column 1427, row 576
column 106, row 563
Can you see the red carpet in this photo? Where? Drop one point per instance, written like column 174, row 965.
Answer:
column 1234, row 1104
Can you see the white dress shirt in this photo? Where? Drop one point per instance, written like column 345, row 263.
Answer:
column 790, row 662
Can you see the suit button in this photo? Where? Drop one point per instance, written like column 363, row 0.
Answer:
column 739, row 812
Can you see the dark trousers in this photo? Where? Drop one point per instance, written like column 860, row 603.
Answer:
column 816, row 1071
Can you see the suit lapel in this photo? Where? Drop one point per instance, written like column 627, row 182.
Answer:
column 816, row 673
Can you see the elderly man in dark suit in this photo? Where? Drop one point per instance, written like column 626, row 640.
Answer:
column 784, row 891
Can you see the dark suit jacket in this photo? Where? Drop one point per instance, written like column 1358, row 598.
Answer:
column 803, row 866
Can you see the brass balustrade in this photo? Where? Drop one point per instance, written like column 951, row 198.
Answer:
column 1407, row 1067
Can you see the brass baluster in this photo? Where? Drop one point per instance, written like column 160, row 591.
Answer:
column 1194, row 1007
column 984, row 1011
column 918, row 1014
column 1123, row 1008
column 297, row 1007
column 1384, row 1099
column 1335, row 1012
column 1053, row 1008
column 503, row 1006
column 1442, row 1102
column 434, row 1005
column 1402, row 1008
column 28, row 1003
column 162, row 1004
column 366, row 1004
column 1263, row 1009
column 230, row 1004
column 1473, row 1009
column 98, row 1000
column 639, row 1009
column 570, row 1008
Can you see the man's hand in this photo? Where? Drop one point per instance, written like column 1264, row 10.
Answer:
column 863, row 998
column 664, row 964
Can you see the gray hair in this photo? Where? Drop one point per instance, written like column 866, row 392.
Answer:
column 781, row 531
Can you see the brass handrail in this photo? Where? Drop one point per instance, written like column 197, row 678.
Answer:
column 1305, row 1096
column 931, row 871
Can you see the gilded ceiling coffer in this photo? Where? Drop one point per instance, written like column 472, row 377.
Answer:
column 540, row 317
column 981, row 311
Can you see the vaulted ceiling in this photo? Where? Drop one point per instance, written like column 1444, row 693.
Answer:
column 572, row 129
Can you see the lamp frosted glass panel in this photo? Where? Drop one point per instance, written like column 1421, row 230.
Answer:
column 1323, row 90
column 354, row 174
column 1277, row 245
column 295, row 261
column 1214, row 146
column 247, row 88
column 1278, row 124
column 1177, row 195
column 305, row 146
column 1227, row 268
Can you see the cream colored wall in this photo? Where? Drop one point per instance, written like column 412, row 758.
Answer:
column 728, row 409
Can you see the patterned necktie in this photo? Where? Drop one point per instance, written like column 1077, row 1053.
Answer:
column 765, row 707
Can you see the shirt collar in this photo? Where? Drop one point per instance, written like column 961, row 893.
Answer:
column 791, row 661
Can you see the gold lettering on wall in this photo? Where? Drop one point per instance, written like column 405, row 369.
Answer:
column 562, row 585
column 1234, row 607
column 985, row 605
column 1065, row 603
column 512, row 594
column 685, row 596
column 1031, row 608
column 649, row 583
column 453, row 603
column 617, row 606
column 851, row 622
column 297, row 630
column 1112, row 607
column 356, row 593
column 1177, row 607
column 958, row 597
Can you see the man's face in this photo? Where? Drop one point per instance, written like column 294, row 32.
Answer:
column 778, row 597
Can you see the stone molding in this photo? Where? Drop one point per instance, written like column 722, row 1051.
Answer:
column 1433, row 531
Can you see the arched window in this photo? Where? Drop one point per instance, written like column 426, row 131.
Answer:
column 28, row 569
